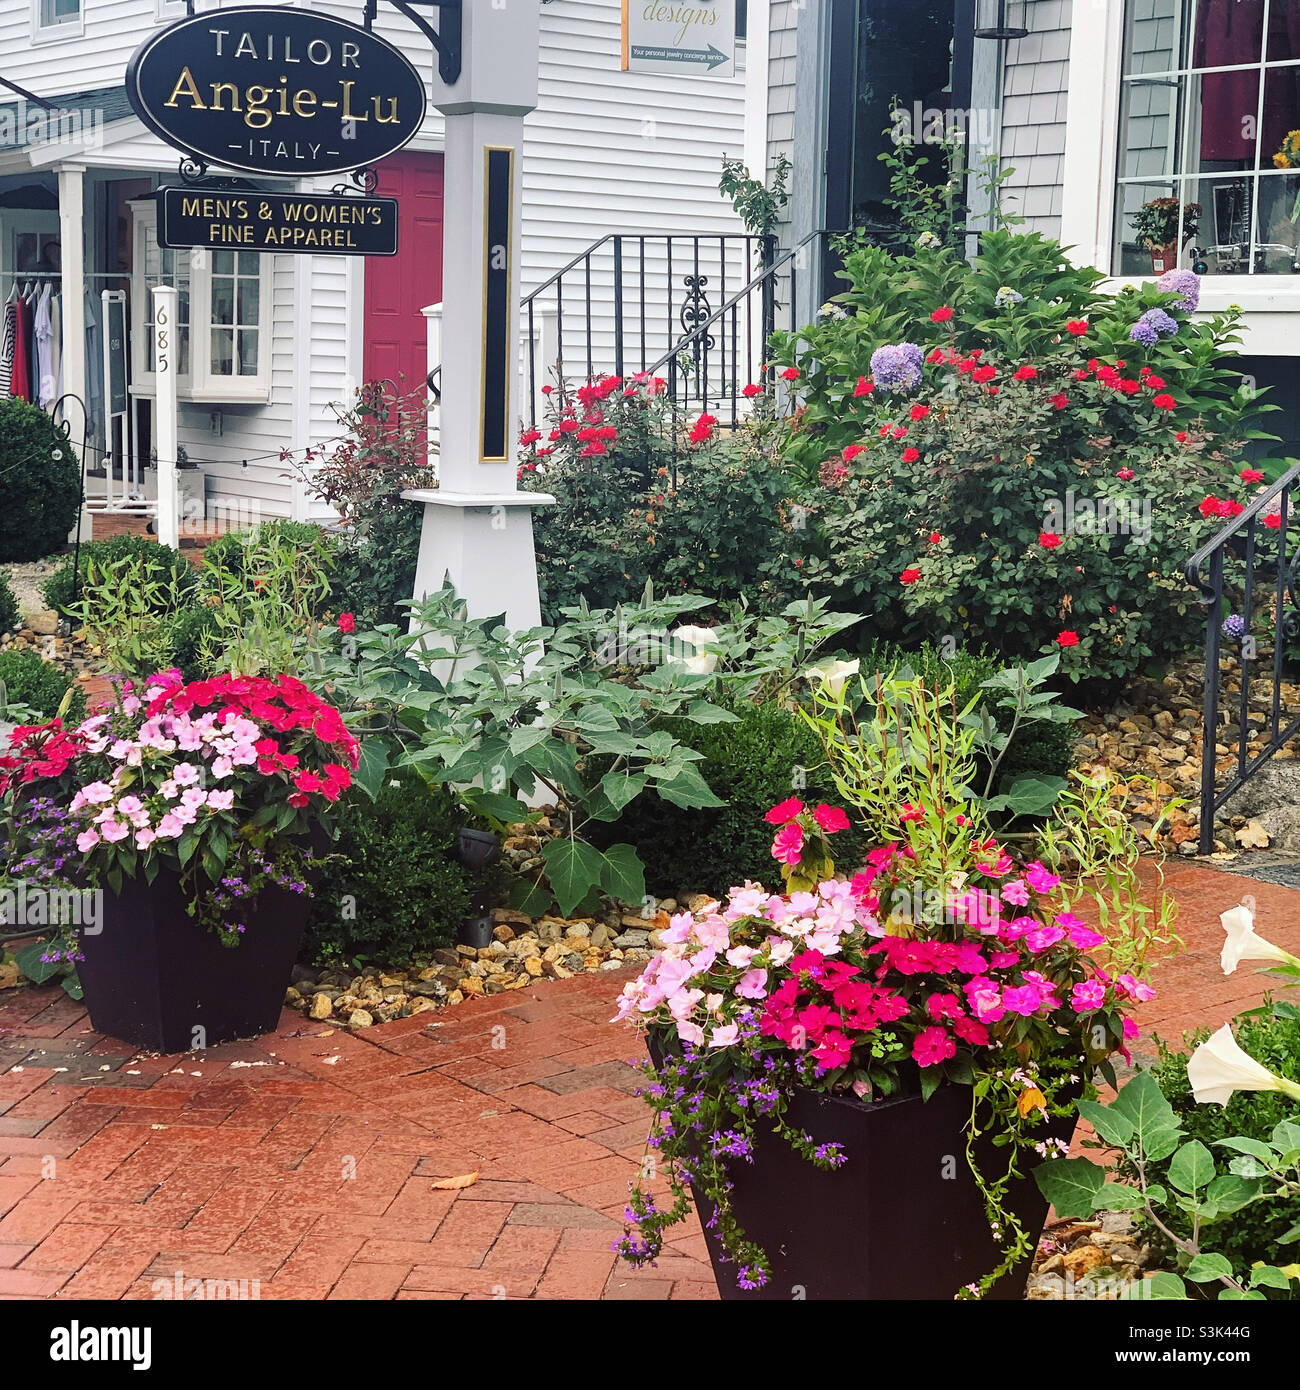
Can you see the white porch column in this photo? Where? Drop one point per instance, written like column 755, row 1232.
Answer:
column 72, row 240
column 478, row 528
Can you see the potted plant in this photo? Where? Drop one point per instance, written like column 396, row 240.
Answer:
column 1156, row 224
column 192, row 807
column 849, row 1076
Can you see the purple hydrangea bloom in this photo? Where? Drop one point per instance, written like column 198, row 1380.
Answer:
column 897, row 366
column 1142, row 332
column 1234, row 627
column 1153, row 325
column 1184, row 282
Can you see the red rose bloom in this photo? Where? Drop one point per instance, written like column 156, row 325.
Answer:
column 347, row 622
column 1059, row 401
column 1124, row 474
column 941, row 315
column 1049, row 540
column 911, row 455
column 1026, row 373
column 1078, row 327
column 1251, row 475
column 864, row 387
column 935, row 538
column 919, row 412
column 910, row 576
column 852, row 451
column 790, row 374
column 752, row 390
column 1164, row 401
column 1273, row 521
column 1067, row 639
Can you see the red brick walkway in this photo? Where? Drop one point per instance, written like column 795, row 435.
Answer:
column 309, row 1159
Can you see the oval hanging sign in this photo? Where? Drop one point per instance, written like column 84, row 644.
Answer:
column 276, row 91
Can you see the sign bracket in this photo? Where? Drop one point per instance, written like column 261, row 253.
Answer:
column 447, row 38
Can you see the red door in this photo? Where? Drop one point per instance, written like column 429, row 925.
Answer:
column 398, row 287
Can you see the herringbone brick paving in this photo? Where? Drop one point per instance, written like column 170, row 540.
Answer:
column 308, row 1159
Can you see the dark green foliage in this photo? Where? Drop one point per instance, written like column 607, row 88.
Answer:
column 42, row 482
column 9, row 612
column 752, row 765
column 191, row 628
column 30, row 681
column 163, row 561
column 375, row 574
column 395, row 893
column 1250, row 1234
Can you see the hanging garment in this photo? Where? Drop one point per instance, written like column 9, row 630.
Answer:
column 94, row 370
column 8, row 333
column 21, row 385
column 56, row 343
column 43, row 334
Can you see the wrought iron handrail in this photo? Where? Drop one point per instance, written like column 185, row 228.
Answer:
column 1286, row 626
column 699, row 341
column 635, row 293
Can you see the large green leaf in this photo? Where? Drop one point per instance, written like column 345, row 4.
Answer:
column 1192, row 1167
column 621, row 787
column 1205, row 1268
column 574, row 869
column 1071, row 1185
column 1143, row 1104
column 528, row 897
column 623, row 875
column 687, row 789
column 1030, row 795
column 28, row 960
column 1230, row 1192
column 373, row 766
column 1114, row 1128
column 495, row 804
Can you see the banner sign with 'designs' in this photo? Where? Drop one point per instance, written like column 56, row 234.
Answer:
column 272, row 90
column 316, row 223
column 687, row 37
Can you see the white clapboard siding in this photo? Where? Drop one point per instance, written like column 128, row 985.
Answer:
column 1034, row 90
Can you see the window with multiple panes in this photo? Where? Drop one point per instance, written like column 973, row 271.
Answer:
column 52, row 12
column 223, row 312
column 1210, row 120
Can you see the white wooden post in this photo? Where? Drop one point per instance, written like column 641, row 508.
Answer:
column 433, row 337
column 478, row 529
column 546, row 324
column 72, row 246
column 166, row 357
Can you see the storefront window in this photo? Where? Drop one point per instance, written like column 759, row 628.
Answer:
column 1209, row 154
column 223, row 313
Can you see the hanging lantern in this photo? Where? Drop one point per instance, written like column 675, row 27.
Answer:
column 996, row 19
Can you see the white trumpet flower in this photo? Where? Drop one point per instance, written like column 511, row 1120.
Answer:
column 1219, row 1068
column 703, row 662
column 834, row 674
column 1242, row 943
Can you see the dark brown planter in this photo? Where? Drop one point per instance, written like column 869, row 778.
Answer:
column 902, row 1219
column 156, row 979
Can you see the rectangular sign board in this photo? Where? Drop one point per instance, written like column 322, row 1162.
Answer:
column 688, row 37
column 248, row 220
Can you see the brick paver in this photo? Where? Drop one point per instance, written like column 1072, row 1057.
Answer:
column 309, row 1159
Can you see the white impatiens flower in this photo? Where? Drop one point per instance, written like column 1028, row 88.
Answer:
column 1218, row 1068
column 703, row 662
column 1243, row 944
column 834, row 674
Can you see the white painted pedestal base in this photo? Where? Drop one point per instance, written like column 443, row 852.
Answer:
column 482, row 543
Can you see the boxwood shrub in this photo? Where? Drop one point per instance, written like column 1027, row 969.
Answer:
column 30, row 681
column 393, row 892
column 42, row 482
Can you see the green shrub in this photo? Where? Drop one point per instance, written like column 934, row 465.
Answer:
column 10, row 615
column 42, row 482
column 239, row 557
column 161, row 561
column 768, row 755
column 30, row 681
column 375, row 571
column 193, row 632
column 1039, row 746
column 1251, row 1233
column 395, row 893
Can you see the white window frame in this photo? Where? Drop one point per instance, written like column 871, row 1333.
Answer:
column 71, row 28
column 164, row 11
column 1091, row 187
column 200, row 384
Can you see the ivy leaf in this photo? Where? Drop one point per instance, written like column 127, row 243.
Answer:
column 1070, row 1184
